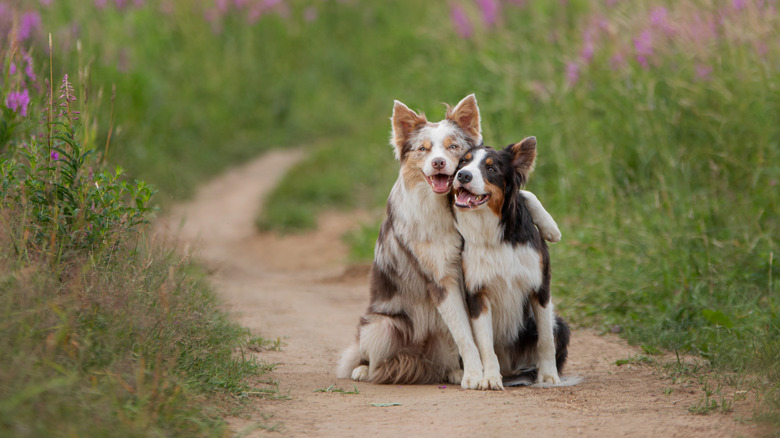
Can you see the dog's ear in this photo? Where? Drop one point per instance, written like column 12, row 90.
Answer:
column 523, row 156
column 466, row 116
column 405, row 123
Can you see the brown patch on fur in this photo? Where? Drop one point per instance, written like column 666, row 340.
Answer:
column 436, row 292
column 412, row 174
column 477, row 303
column 468, row 156
column 383, row 284
column 411, row 366
column 523, row 156
column 466, row 116
column 496, row 201
column 489, row 161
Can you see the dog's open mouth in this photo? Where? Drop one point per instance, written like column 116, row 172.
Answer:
column 440, row 183
column 466, row 199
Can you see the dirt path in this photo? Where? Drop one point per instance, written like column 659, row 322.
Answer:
column 297, row 288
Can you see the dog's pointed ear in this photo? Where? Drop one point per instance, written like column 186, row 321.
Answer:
column 466, row 116
column 523, row 156
column 405, row 123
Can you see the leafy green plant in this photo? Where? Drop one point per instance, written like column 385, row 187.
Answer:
column 67, row 205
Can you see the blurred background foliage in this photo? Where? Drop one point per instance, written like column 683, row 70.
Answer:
column 658, row 126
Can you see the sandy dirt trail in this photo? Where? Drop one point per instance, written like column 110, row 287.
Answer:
column 298, row 288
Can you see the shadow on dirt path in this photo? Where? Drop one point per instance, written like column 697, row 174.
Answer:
column 296, row 287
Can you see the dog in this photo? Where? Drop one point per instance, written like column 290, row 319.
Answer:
column 416, row 329
column 506, row 266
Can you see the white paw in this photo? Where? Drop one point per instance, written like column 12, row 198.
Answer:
column 471, row 380
column 455, row 377
column 360, row 373
column 548, row 377
column 550, row 232
column 492, row 381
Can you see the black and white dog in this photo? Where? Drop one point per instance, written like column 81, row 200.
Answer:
column 506, row 266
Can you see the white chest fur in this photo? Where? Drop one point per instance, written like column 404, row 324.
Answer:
column 507, row 273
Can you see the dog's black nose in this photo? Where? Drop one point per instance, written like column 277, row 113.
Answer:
column 438, row 163
column 464, row 176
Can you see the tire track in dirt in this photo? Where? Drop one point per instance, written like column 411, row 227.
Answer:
column 296, row 287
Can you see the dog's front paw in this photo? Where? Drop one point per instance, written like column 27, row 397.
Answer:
column 360, row 373
column 471, row 380
column 548, row 376
column 455, row 376
column 492, row 381
column 550, row 232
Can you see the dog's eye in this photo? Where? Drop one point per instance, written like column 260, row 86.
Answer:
column 453, row 146
column 491, row 169
column 422, row 149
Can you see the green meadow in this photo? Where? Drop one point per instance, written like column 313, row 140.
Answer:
column 658, row 127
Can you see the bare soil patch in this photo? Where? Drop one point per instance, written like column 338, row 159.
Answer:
column 297, row 287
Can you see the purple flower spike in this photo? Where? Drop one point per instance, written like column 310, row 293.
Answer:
column 461, row 22
column 489, row 11
column 18, row 101
column 54, row 155
column 572, row 73
column 643, row 45
column 29, row 22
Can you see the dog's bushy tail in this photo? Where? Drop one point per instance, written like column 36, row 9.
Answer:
column 407, row 369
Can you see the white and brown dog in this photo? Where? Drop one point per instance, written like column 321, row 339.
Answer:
column 417, row 329
column 506, row 267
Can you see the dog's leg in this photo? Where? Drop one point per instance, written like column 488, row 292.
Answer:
column 482, row 322
column 546, row 224
column 545, row 344
column 452, row 307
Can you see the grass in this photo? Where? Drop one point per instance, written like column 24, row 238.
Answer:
column 135, row 347
column 658, row 136
column 103, row 332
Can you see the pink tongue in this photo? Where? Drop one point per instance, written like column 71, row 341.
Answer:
column 464, row 197
column 440, row 182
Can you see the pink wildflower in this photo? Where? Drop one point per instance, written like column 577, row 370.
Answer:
column 12, row 69
column 222, row 5
column 28, row 69
column 586, row 54
column 489, row 10
column 18, row 101
column 100, row 4
column 703, row 72
column 738, row 4
column 643, row 45
column 617, row 61
column 461, row 22
column 572, row 73
column 29, row 22
column 310, row 13
column 54, row 155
